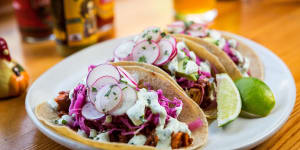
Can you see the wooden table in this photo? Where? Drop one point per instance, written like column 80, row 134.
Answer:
column 275, row 24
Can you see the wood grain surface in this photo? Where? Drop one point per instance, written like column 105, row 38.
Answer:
column 273, row 23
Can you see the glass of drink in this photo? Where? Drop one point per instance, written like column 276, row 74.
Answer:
column 199, row 11
column 33, row 18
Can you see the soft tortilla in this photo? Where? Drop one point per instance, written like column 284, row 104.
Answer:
column 256, row 67
column 190, row 112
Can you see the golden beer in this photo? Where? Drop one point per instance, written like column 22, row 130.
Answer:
column 186, row 8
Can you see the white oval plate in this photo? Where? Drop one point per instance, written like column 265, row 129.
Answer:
column 240, row 134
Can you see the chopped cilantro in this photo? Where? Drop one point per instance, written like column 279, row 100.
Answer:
column 64, row 122
column 149, row 101
column 144, row 47
column 124, row 88
column 163, row 34
column 116, row 98
column 155, row 30
column 197, row 76
column 94, row 89
column 184, row 65
column 149, row 38
column 144, row 35
column 142, row 59
column 217, row 42
column 97, row 138
column 166, row 52
column 114, row 93
column 109, row 91
column 56, row 121
column 123, row 81
column 142, row 118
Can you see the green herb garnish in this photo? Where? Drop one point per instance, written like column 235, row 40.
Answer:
column 114, row 93
column 184, row 65
column 163, row 34
column 94, row 90
column 144, row 47
column 109, row 91
column 155, row 30
column 124, row 88
column 149, row 38
column 64, row 122
column 56, row 121
column 166, row 52
column 142, row 118
column 142, row 59
column 149, row 101
column 123, row 81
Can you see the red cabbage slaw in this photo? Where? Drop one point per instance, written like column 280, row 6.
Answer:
column 121, row 124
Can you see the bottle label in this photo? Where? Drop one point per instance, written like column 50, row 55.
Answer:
column 81, row 23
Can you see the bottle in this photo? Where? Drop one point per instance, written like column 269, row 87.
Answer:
column 105, row 18
column 75, row 24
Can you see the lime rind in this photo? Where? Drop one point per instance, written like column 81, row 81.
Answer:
column 228, row 100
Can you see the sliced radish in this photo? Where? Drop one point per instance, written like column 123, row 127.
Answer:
column 102, row 70
column 197, row 33
column 178, row 23
column 166, row 50
column 175, row 28
column 174, row 54
column 197, row 26
column 127, row 77
column 124, row 50
column 129, row 98
column 150, row 33
column 146, row 51
column 108, row 98
column 98, row 84
column 90, row 112
column 171, row 39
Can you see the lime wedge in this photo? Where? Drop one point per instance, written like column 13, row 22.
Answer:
column 257, row 98
column 228, row 100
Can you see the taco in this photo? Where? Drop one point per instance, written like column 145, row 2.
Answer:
column 185, row 63
column 126, row 107
column 238, row 59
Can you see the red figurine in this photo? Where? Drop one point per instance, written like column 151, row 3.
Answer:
column 13, row 78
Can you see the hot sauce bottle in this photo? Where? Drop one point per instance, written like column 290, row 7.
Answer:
column 76, row 24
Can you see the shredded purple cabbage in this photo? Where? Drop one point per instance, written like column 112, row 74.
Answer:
column 229, row 52
column 122, row 123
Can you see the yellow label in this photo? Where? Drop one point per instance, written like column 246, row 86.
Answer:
column 105, row 8
column 81, row 25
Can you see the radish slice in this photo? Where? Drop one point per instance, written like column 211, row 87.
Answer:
column 196, row 33
column 166, row 50
column 129, row 98
column 98, row 84
column 90, row 112
column 102, row 70
column 146, row 51
column 176, row 28
column 150, row 33
column 108, row 98
column 178, row 23
column 197, row 26
column 124, row 50
column 174, row 54
column 171, row 39
column 128, row 78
